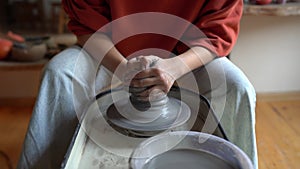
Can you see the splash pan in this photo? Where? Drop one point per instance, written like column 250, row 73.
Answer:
column 178, row 114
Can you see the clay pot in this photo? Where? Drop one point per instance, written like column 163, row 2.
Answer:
column 33, row 49
column 5, row 48
column 260, row 2
column 263, row 2
column 29, row 52
column 280, row 1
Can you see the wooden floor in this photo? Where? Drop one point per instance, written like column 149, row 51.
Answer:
column 278, row 133
column 13, row 125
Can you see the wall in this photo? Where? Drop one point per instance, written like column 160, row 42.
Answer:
column 46, row 5
column 268, row 50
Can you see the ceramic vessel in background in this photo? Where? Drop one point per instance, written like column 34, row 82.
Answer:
column 260, row 2
column 5, row 48
column 263, row 2
column 280, row 1
column 29, row 53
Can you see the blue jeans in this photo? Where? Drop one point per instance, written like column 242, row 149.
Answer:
column 72, row 79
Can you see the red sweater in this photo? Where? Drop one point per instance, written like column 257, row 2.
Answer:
column 217, row 20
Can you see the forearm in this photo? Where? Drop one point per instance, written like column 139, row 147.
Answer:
column 100, row 47
column 191, row 60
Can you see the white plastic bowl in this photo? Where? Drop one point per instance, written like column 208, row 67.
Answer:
column 188, row 150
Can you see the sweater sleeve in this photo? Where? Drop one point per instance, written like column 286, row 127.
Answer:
column 88, row 16
column 219, row 26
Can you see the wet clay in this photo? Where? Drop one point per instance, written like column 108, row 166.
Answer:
column 187, row 158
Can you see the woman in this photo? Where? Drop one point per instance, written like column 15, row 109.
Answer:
column 126, row 37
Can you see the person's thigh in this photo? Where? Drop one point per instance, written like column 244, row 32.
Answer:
column 216, row 81
column 66, row 89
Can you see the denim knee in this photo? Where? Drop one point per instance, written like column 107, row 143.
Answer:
column 63, row 63
column 237, row 81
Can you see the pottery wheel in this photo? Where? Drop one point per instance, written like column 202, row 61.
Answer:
column 126, row 114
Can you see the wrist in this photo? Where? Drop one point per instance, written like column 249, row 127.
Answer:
column 196, row 57
column 178, row 67
column 121, row 69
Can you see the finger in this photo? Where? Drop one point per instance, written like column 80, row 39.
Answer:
column 151, row 72
column 146, row 82
column 145, row 63
column 129, row 75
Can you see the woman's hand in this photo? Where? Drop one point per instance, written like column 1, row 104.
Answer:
column 156, row 76
column 151, row 76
